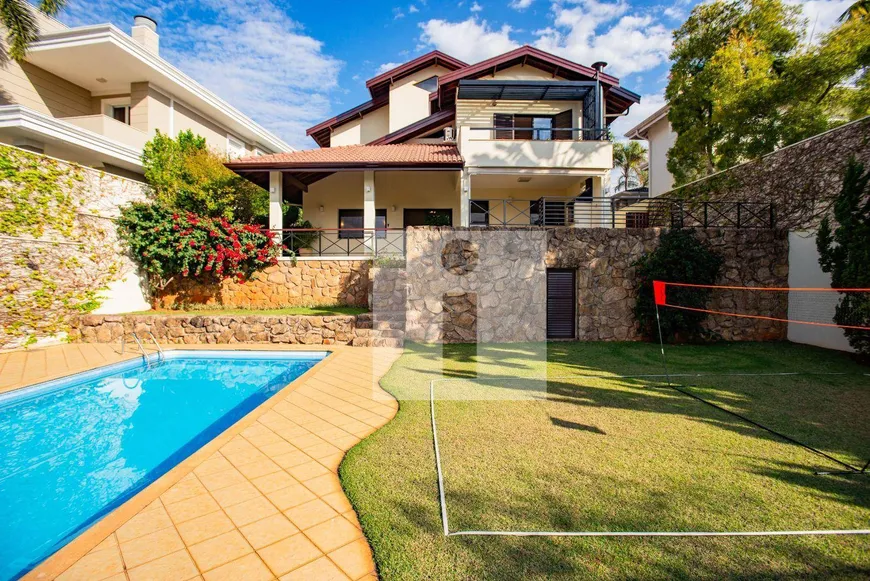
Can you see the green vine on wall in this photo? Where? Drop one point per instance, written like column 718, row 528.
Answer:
column 44, row 282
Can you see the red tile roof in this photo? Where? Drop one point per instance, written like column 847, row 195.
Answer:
column 357, row 156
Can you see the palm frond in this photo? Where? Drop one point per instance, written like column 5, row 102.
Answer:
column 20, row 24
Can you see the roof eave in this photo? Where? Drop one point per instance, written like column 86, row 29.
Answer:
column 109, row 32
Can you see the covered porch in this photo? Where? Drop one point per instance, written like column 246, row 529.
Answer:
column 360, row 199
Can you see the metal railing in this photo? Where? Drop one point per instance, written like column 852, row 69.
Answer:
column 717, row 214
column 546, row 133
column 622, row 212
column 548, row 211
column 372, row 242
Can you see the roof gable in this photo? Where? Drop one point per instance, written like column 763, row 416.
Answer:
column 381, row 84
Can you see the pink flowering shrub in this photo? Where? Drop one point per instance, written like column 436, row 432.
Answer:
column 168, row 244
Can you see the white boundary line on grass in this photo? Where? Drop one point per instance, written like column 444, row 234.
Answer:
column 443, row 501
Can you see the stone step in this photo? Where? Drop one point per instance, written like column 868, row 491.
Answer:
column 386, row 342
column 392, row 333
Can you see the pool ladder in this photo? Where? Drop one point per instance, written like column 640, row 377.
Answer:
column 160, row 354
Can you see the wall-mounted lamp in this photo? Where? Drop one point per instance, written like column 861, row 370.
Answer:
column 393, row 208
column 321, row 208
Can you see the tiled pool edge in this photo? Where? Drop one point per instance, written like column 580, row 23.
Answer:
column 73, row 551
column 78, row 548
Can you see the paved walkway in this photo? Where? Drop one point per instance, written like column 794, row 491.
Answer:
column 260, row 502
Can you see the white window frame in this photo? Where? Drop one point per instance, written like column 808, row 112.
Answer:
column 235, row 147
column 108, row 105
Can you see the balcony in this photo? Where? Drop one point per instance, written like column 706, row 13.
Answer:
column 111, row 129
column 499, row 147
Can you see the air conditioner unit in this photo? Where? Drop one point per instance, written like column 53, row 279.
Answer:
column 448, row 134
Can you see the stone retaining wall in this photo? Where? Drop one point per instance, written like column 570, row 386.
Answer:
column 801, row 180
column 224, row 329
column 305, row 283
column 500, row 295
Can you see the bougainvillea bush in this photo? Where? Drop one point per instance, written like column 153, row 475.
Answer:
column 168, row 244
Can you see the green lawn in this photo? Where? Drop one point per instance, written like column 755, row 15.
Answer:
column 593, row 453
column 208, row 312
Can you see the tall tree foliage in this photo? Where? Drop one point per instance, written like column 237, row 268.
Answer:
column 629, row 159
column 844, row 252
column 745, row 81
column 185, row 175
column 19, row 20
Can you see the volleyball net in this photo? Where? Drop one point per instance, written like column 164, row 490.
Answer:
column 824, row 315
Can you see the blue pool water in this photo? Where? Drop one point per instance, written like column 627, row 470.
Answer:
column 74, row 449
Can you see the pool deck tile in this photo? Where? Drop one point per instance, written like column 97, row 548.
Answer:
column 260, row 502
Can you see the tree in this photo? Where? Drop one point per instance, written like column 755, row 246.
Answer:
column 844, row 252
column 187, row 176
column 630, row 158
column 680, row 257
column 744, row 84
column 859, row 9
column 18, row 19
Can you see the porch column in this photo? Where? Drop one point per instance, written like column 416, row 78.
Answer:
column 464, row 198
column 276, row 196
column 369, row 214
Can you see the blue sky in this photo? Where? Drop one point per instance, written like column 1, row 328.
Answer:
column 290, row 65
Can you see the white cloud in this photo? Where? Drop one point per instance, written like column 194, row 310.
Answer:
column 397, row 13
column 470, row 40
column 520, row 4
column 592, row 31
column 413, row 9
column 476, row 7
column 386, row 67
column 649, row 104
column 249, row 52
column 821, row 15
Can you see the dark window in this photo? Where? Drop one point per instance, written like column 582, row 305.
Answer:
column 349, row 220
column 429, row 84
column 121, row 114
column 479, row 215
column 532, row 127
column 586, row 194
column 535, row 212
column 502, row 120
column 561, row 304
column 637, row 219
column 428, row 217
column 564, row 119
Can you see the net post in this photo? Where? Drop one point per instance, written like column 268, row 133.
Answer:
column 660, row 297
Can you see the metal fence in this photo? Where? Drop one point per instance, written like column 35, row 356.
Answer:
column 369, row 242
column 580, row 212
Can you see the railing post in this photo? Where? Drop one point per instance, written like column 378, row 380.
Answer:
column 738, row 215
column 613, row 215
column 706, row 222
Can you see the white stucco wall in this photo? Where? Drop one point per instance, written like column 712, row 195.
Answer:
column 408, row 102
column 361, row 131
column 804, row 271
column 660, row 138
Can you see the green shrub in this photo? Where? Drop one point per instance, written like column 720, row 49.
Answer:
column 293, row 219
column 844, row 252
column 168, row 244
column 186, row 176
column 680, row 257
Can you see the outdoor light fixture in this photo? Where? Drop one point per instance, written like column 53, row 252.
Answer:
column 101, row 80
column 393, row 208
column 321, row 208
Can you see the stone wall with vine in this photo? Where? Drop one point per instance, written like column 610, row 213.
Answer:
column 801, row 180
column 60, row 247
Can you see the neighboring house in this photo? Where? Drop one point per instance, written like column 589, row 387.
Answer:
column 95, row 95
column 656, row 130
column 521, row 138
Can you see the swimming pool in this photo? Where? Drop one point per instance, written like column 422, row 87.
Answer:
column 74, row 449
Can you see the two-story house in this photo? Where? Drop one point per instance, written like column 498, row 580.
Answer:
column 95, row 95
column 660, row 138
column 518, row 139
